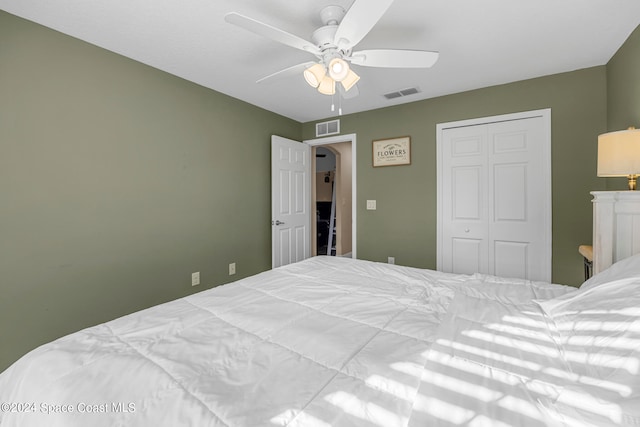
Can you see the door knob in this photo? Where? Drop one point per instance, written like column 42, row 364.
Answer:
column 277, row 222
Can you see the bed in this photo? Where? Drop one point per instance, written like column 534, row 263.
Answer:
column 339, row 342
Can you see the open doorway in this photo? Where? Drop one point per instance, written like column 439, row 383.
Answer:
column 332, row 196
column 344, row 148
column 325, row 200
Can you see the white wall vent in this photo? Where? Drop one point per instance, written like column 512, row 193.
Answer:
column 328, row 128
column 403, row 92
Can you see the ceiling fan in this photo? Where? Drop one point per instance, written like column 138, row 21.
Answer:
column 333, row 44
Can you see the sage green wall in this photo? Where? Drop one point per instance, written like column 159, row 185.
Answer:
column 404, row 224
column 117, row 181
column 623, row 85
column 623, row 93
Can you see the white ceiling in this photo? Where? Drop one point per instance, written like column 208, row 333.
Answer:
column 481, row 43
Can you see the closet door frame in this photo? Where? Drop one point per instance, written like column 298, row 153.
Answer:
column 545, row 114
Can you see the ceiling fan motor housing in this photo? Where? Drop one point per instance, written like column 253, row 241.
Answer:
column 323, row 37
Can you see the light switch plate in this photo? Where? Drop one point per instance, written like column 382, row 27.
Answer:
column 371, row 205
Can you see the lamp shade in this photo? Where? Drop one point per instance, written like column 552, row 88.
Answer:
column 351, row 79
column 314, row 74
column 327, row 86
column 619, row 153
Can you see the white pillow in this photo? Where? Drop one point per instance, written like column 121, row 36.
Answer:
column 626, row 268
column 598, row 330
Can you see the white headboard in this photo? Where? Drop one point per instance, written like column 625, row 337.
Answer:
column 616, row 227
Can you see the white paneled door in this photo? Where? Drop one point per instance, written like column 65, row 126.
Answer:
column 290, row 204
column 494, row 196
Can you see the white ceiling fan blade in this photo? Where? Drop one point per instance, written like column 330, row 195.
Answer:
column 287, row 72
column 358, row 21
column 271, row 32
column 394, row 58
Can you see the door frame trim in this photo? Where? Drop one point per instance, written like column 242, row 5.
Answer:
column 354, row 214
column 545, row 114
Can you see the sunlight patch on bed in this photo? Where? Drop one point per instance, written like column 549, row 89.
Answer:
column 369, row 411
column 627, row 311
column 522, row 332
column 302, row 418
column 598, row 326
column 622, row 390
column 490, row 354
column 526, row 321
column 395, row 388
column 592, row 404
column 541, row 388
column 484, row 421
column 408, row 368
column 443, row 410
column 611, row 361
column 606, row 342
column 475, row 368
column 463, row 387
column 513, row 343
column 563, row 419
column 520, row 406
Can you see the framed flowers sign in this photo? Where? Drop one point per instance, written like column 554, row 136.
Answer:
column 392, row 152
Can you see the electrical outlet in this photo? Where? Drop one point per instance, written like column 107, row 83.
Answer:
column 371, row 205
column 195, row 278
column 391, row 260
column 232, row 269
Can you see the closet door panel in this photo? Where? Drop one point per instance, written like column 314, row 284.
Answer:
column 465, row 234
column 517, row 199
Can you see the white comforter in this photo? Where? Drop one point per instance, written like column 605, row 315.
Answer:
column 324, row 342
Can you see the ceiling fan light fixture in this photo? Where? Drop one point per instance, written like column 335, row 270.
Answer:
column 338, row 69
column 349, row 81
column 327, row 86
column 314, row 75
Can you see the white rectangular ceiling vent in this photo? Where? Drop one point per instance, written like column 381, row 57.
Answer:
column 403, row 92
column 328, row 128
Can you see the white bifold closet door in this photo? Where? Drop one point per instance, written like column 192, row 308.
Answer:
column 494, row 213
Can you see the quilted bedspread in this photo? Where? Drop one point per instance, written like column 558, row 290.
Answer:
column 324, row 342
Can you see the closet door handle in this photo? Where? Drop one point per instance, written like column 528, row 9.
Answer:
column 277, row 222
